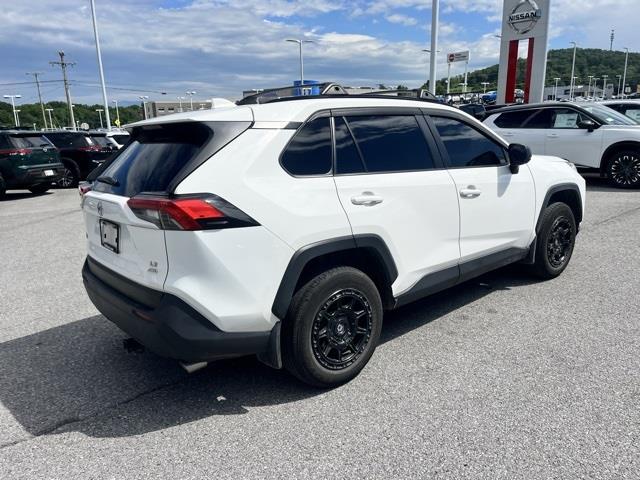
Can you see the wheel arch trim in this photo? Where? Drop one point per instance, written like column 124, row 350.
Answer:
column 562, row 187
column 304, row 255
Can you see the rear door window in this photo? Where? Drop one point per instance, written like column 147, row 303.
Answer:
column 34, row 141
column 513, row 119
column 391, row 143
column 309, row 152
column 348, row 158
column 69, row 140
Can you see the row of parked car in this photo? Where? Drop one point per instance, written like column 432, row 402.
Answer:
column 601, row 137
column 38, row 160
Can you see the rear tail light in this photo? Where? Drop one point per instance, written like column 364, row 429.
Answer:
column 16, row 151
column 93, row 148
column 189, row 212
column 84, row 187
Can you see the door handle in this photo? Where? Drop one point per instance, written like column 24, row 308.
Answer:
column 368, row 199
column 470, row 192
column 507, row 134
column 553, row 135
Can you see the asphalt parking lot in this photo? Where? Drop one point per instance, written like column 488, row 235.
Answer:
column 502, row 377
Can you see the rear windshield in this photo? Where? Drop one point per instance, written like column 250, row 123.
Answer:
column 34, row 141
column 121, row 139
column 69, row 140
column 102, row 141
column 158, row 153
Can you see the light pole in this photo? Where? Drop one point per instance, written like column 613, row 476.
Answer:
column 589, row 87
column 574, row 87
column 484, row 87
column 595, row 87
column 180, row 100
column 604, row 85
column 624, row 76
column 426, row 50
column 143, row 99
column 99, row 54
column 619, row 77
column 573, row 70
column 13, row 106
column 300, row 42
column 435, row 6
column 117, row 113
column 190, row 94
column 18, row 118
column 555, row 89
column 49, row 110
column 100, row 110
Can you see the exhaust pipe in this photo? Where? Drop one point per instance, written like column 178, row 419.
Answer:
column 193, row 367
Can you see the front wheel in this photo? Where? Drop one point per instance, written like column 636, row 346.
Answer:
column 623, row 169
column 555, row 241
column 332, row 327
column 70, row 175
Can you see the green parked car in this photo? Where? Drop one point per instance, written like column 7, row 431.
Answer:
column 27, row 161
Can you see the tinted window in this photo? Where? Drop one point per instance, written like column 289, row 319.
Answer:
column 466, row 146
column 391, row 143
column 121, row 139
column 347, row 157
column 68, row 140
column 102, row 141
column 607, row 115
column 153, row 159
column 309, row 152
column 4, row 143
column 33, row 141
column 513, row 119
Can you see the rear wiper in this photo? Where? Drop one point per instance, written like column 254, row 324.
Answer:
column 108, row 180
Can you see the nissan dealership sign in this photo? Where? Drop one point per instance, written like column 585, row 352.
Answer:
column 524, row 16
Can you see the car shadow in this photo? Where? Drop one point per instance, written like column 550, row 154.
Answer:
column 596, row 183
column 54, row 380
column 19, row 195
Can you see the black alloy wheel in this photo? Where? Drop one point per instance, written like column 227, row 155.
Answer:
column 560, row 242
column 624, row 169
column 342, row 329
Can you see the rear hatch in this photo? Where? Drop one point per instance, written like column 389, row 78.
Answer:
column 35, row 150
column 125, row 228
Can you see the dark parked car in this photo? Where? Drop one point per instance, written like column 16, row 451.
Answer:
column 28, row 160
column 79, row 154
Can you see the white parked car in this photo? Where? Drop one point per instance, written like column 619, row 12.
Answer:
column 629, row 108
column 588, row 135
column 286, row 229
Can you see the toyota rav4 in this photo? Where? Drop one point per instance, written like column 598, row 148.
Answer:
column 286, row 229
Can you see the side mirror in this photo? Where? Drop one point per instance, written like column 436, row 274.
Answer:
column 518, row 155
column 587, row 125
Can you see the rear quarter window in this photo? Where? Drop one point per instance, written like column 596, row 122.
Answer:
column 309, row 151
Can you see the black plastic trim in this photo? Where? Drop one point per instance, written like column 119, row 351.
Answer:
column 555, row 189
column 305, row 254
column 170, row 327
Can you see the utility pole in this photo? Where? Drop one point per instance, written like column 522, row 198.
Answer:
column 35, row 76
column 434, row 45
column 104, row 88
column 62, row 64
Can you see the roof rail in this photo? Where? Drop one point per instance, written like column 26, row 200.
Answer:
column 330, row 90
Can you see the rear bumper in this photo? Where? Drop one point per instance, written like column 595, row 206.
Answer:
column 29, row 176
column 162, row 322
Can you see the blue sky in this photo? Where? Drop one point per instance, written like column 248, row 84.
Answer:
column 220, row 47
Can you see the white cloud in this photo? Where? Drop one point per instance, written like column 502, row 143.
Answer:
column 401, row 19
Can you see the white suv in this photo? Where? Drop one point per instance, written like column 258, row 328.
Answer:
column 286, row 229
column 590, row 135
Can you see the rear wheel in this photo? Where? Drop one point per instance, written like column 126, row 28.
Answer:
column 555, row 241
column 3, row 188
column 71, row 174
column 332, row 328
column 623, row 169
column 40, row 189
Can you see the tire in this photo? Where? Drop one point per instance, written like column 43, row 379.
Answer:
column 623, row 169
column 71, row 176
column 345, row 304
column 3, row 188
column 40, row 189
column 555, row 241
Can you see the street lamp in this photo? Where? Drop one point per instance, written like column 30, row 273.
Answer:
column 101, row 70
column 18, row 118
column 143, row 99
column 595, row 87
column 624, row 77
column 49, row 110
column 100, row 110
column 180, row 99
column 300, row 42
column 426, row 50
column 573, row 69
column 435, row 30
column 604, row 85
column 619, row 77
column 190, row 94
column 484, row 87
column 589, row 87
column 13, row 106
column 555, row 89
column 117, row 113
